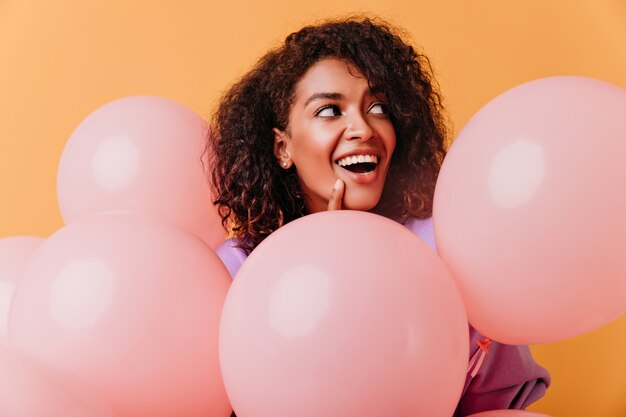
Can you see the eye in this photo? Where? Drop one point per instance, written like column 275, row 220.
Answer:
column 378, row 108
column 328, row 111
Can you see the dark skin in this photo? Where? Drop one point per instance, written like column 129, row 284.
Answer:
column 338, row 137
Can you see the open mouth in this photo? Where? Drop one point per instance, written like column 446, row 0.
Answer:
column 359, row 164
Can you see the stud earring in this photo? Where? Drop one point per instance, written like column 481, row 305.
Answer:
column 285, row 164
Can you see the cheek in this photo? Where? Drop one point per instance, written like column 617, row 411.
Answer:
column 390, row 138
column 387, row 133
column 314, row 147
column 391, row 147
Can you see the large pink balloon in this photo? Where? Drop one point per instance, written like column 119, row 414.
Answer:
column 131, row 305
column 343, row 313
column 508, row 413
column 141, row 154
column 530, row 210
column 14, row 253
column 27, row 389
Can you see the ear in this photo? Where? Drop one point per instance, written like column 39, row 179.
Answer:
column 282, row 148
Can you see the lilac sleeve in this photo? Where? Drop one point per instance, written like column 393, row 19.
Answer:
column 508, row 378
column 231, row 256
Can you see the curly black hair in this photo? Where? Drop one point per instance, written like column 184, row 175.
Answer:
column 254, row 195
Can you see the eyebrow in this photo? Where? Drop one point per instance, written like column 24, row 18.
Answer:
column 327, row 96
column 336, row 96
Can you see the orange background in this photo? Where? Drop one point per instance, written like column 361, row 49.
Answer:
column 62, row 59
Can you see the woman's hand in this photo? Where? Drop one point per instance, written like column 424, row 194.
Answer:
column 336, row 195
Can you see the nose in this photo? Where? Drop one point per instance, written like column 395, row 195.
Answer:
column 358, row 127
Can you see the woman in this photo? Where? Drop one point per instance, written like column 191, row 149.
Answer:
column 345, row 115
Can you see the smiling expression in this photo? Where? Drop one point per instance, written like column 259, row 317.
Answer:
column 338, row 128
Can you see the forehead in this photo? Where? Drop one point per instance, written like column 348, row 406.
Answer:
column 330, row 75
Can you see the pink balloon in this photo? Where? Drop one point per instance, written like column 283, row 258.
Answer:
column 508, row 413
column 14, row 253
column 131, row 305
column 27, row 389
column 343, row 313
column 530, row 210
column 141, row 154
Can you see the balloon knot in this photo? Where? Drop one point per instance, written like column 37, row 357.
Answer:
column 484, row 344
column 478, row 357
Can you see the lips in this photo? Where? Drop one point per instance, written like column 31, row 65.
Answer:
column 353, row 166
column 362, row 162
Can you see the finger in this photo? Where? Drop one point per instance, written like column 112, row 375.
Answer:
column 336, row 196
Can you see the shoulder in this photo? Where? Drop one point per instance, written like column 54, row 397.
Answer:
column 423, row 228
column 231, row 255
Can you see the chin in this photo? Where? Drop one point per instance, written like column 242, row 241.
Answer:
column 360, row 202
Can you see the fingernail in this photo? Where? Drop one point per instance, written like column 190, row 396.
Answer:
column 337, row 185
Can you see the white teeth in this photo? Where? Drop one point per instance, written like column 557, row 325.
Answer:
column 350, row 160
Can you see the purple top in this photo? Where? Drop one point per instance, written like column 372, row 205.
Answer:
column 508, row 378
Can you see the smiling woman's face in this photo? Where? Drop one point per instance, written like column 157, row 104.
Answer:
column 338, row 129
